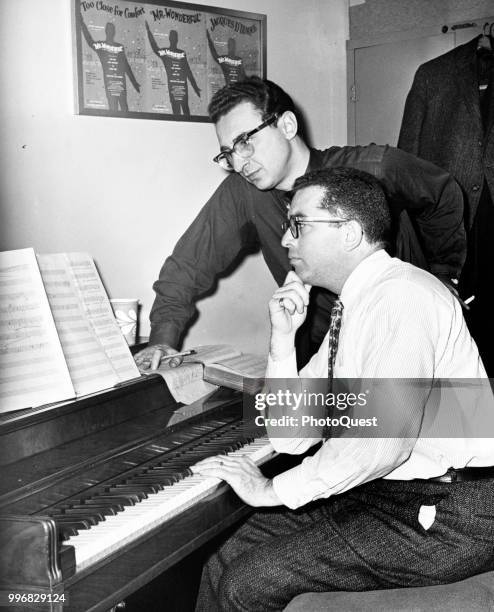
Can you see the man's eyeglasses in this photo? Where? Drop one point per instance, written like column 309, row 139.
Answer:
column 242, row 146
column 295, row 223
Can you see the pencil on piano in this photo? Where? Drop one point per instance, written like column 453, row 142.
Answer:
column 183, row 354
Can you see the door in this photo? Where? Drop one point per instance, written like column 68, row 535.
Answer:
column 383, row 75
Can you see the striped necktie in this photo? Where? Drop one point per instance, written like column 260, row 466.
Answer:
column 334, row 334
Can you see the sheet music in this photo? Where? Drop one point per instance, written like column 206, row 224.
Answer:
column 33, row 371
column 95, row 350
column 100, row 314
column 186, row 382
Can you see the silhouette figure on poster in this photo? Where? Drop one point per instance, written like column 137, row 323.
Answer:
column 177, row 72
column 231, row 64
column 115, row 66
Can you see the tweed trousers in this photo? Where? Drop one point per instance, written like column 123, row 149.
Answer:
column 368, row 538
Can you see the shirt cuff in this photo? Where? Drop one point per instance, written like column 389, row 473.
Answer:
column 293, row 489
column 284, row 368
column 340, row 464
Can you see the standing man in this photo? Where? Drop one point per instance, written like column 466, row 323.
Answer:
column 115, row 66
column 260, row 146
column 177, row 71
column 413, row 504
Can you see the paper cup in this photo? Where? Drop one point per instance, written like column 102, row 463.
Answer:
column 125, row 311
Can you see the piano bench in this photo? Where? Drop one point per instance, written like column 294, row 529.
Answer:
column 475, row 594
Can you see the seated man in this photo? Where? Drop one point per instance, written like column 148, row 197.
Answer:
column 408, row 508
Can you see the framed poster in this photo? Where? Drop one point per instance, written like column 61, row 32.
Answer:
column 161, row 59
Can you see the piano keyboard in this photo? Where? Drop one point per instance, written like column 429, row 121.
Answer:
column 116, row 531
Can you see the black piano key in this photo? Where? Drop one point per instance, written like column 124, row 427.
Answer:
column 214, row 449
column 113, row 504
column 169, row 463
column 174, row 471
column 71, row 522
column 168, row 481
column 65, row 531
column 210, row 450
column 68, row 517
column 127, row 492
column 168, row 477
column 103, row 510
column 154, row 480
column 149, row 481
column 101, row 502
column 110, row 499
column 214, row 442
column 147, row 487
column 92, row 513
column 169, row 468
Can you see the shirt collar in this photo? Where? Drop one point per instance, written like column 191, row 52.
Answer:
column 363, row 276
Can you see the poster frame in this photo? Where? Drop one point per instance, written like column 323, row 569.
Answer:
column 78, row 42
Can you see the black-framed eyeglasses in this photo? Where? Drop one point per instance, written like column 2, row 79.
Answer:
column 242, row 146
column 295, row 223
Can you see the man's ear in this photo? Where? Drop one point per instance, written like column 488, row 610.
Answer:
column 288, row 124
column 353, row 235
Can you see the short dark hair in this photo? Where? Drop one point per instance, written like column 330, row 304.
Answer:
column 265, row 95
column 352, row 194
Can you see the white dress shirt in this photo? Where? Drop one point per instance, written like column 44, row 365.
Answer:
column 399, row 322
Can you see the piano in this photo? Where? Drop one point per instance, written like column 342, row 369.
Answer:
column 97, row 498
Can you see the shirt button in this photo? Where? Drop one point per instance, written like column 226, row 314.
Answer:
column 475, row 187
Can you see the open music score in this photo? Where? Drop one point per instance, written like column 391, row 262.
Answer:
column 58, row 336
column 95, row 351
column 210, row 366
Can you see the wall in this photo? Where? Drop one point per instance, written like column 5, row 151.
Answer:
column 124, row 190
column 373, row 17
